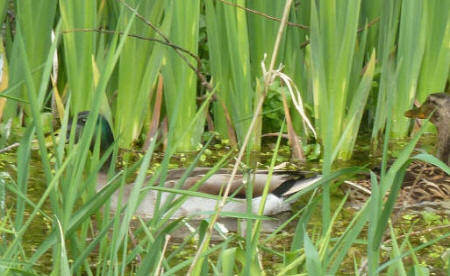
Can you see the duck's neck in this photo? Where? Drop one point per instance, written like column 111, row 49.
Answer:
column 443, row 145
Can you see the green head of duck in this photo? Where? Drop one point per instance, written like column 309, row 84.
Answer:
column 102, row 126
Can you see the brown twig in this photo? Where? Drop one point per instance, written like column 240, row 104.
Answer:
column 275, row 134
column 361, row 29
column 301, row 26
column 10, row 147
column 230, row 129
column 167, row 43
column 210, row 122
column 159, row 269
column 177, row 49
column 370, row 24
column 297, row 151
column 134, row 243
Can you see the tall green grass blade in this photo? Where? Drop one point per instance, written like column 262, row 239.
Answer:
column 81, row 258
column 257, row 226
column 390, row 181
column 137, row 75
column 325, row 239
column 436, row 59
column 64, row 266
column 3, row 9
column 35, row 38
column 347, row 239
column 79, row 51
column 36, row 96
column 354, row 114
column 371, row 11
column 36, row 92
column 181, row 265
column 180, row 82
column 51, row 186
column 402, row 158
column 121, row 232
column 388, row 208
column 398, row 266
column 411, row 47
column 313, row 264
column 299, row 234
column 386, row 43
column 423, row 245
column 433, row 160
column 333, row 38
column 88, row 131
column 228, row 44
column 83, row 147
column 23, row 162
column 227, row 260
column 253, row 266
column 374, row 205
column 149, row 262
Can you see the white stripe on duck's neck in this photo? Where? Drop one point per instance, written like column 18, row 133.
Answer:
column 201, row 207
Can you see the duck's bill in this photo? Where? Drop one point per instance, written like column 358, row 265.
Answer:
column 420, row 113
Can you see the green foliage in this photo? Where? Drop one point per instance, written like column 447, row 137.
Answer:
column 139, row 66
column 412, row 29
column 180, row 81
column 273, row 107
column 80, row 50
column 110, row 55
column 229, row 53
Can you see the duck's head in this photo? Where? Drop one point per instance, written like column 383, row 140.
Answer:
column 439, row 103
column 107, row 137
column 437, row 107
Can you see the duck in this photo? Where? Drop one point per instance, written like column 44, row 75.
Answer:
column 424, row 185
column 437, row 108
column 282, row 184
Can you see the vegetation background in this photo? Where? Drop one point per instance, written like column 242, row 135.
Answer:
column 326, row 71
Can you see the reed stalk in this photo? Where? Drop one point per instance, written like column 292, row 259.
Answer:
column 412, row 29
column 114, row 71
column 229, row 51
column 180, row 82
column 139, row 65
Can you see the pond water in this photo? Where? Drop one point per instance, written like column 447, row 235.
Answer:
column 423, row 225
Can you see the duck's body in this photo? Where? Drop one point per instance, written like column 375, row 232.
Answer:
column 281, row 186
column 424, row 185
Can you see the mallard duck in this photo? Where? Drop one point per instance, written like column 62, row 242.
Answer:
column 424, row 184
column 282, row 184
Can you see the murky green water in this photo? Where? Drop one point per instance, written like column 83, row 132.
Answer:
column 420, row 224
